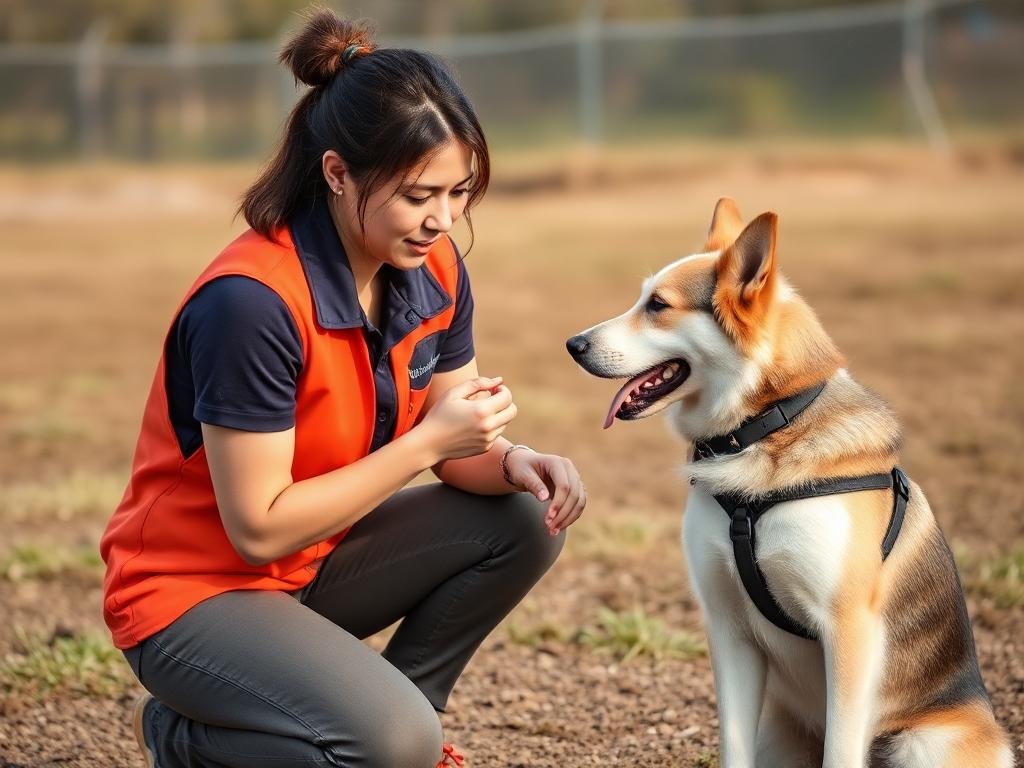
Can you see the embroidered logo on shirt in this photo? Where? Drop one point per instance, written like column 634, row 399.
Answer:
column 415, row 373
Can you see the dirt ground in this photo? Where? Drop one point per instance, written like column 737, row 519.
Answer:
column 914, row 265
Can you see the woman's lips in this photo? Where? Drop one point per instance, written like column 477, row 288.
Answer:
column 420, row 247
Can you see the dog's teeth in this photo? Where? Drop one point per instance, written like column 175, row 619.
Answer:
column 647, row 385
column 668, row 373
column 657, row 382
column 629, row 399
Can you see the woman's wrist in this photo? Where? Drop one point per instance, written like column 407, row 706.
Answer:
column 503, row 462
column 423, row 447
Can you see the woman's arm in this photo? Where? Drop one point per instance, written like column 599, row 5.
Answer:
column 546, row 476
column 267, row 516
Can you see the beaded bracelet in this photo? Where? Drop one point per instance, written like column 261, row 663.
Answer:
column 503, row 462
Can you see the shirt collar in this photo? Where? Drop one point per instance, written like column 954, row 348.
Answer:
column 332, row 285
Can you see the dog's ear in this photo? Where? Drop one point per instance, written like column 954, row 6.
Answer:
column 749, row 263
column 726, row 225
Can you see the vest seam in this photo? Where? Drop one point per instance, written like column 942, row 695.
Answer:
column 142, row 545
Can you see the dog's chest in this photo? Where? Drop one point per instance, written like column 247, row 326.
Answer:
column 800, row 548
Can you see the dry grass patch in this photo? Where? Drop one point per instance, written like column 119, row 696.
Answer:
column 64, row 662
column 609, row 538
column 35, row 563
column 79, row 494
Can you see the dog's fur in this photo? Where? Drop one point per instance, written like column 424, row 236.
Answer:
column 893, row 681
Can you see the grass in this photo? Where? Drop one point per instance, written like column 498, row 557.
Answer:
column 624, row 636
column 999, row 579
column 536, row 635
column 609, row 538
column 76, row 495
column 46, row 428
column 85, row 664
column 629, row 634
column 34, row 563
column 706, row 760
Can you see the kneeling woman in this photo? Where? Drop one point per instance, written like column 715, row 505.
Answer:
column 321, row 362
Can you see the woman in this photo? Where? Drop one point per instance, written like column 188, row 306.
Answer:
column 321, row 362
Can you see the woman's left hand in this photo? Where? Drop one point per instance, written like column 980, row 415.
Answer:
column 550, row 477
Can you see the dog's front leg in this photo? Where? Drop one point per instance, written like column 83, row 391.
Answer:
column 740, row 670
column 853, row 660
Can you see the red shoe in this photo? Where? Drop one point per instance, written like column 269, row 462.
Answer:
column 450, row 757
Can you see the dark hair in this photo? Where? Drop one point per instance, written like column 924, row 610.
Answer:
column 383, row 110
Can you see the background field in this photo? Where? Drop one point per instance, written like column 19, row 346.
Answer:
column 914, row 265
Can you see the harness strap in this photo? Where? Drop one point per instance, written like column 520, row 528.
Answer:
column 744, row 512
column 757, row 427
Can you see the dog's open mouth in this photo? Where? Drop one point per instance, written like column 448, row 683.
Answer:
column 641, row 392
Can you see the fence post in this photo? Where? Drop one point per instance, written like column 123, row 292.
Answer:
column 184, row 61
column 915, row 76
column 588, row 66
column 88, row 89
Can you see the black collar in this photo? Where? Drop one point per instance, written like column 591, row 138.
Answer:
column 332, row 285
column 773, row 418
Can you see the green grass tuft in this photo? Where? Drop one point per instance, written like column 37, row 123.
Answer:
column 632, row 633
column 538, row 634
column 83, row 664
column 999, row 579
column 33, row 563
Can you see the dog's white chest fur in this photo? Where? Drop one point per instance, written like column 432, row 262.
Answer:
column 799, row 547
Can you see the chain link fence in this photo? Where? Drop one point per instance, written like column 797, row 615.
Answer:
column 929, row 68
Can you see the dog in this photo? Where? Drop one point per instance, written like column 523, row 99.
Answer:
column 836, row 622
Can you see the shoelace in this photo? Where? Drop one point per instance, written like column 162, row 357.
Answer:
column 450, row 757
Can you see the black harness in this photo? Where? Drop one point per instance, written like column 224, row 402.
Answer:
column 745, row 511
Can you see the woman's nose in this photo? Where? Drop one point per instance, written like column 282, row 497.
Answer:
column 440, row 219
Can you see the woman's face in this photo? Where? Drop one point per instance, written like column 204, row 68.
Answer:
column 406, row 215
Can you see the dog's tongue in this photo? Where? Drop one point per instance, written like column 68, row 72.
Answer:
column 620, row 398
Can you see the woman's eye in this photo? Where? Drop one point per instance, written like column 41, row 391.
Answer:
column 416, row 200
column 459, row 192
column 654, row 304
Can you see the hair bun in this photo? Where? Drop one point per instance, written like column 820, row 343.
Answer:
column 324, row 46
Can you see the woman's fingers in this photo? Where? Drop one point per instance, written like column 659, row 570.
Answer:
column 575, row 501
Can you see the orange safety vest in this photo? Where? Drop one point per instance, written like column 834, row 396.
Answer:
column 165, row 546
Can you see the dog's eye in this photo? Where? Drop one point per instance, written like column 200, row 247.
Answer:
column 654, row 304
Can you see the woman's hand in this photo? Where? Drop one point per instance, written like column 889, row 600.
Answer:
column 548, row 476
column 468, row 418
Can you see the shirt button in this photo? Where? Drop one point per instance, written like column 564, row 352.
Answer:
column 382, row 416
column 410, row 317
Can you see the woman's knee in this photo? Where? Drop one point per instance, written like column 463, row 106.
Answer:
column 523, row 527
column 409, row 737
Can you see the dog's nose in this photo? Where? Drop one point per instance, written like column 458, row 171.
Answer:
column 577, row 345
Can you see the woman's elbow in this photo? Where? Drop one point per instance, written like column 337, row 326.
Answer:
column 252, row 545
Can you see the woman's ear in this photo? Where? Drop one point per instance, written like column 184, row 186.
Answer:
column 335, row 171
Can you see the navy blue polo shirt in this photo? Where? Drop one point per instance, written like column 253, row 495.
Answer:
column 234, row 355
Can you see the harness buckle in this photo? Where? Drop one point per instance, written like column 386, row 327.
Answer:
column 740, row 527
column 900, row 485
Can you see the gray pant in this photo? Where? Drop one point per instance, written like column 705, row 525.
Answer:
column 254, row 679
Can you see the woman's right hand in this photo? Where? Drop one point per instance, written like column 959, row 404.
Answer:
column 468, row 418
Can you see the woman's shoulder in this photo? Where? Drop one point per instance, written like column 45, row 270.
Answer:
column 233, row 301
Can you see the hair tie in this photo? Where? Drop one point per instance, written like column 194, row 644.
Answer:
column 352, row 51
